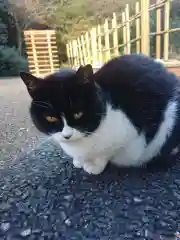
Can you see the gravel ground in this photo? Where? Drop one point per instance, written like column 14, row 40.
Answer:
column 43, row 197
column 17, row 133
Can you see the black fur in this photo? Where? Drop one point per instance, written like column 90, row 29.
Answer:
column 133, row 83
column 65, row 93
column 140, row 87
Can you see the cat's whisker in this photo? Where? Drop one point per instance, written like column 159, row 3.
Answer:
column 70, row 102
column 100, row 114
column 93, row 133
column 42, row 104
column 46, row 103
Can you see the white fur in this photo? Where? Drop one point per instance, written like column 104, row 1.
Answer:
column 67, row 131
column 116, row 140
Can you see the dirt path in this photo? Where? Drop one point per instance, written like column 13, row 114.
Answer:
column 17, row 133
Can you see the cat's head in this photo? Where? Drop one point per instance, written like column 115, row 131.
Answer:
column 67, row 102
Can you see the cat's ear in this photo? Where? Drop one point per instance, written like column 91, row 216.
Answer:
column 85, row 74
column 30, row 81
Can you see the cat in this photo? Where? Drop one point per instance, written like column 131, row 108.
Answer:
column 126, row 113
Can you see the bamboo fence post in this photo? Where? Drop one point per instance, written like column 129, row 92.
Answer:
column 99, row 44
column 166, row 29
column 88, row 47
column 124, row 33
column 77, row 52
column 158, row 29
column 94, row 46
column 115, row 35
column 128, row 38
column 107, row 44
column 83, row 49
column 76, row 61
column 80, row 51
column 145, row 27
column 68, row 52
column 71, row 54
column 138, row 47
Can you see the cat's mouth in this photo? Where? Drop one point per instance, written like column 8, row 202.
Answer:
column 58, row 136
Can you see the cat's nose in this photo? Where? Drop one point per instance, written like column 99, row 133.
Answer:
column 67, row 136
column 67, row 132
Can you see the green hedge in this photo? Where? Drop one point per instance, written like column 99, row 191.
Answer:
column 10, row 62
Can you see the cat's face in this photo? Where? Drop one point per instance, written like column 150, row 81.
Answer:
column 67, row 103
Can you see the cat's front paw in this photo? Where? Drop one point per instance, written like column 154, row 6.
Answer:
column 78, row 162
column 95, row 167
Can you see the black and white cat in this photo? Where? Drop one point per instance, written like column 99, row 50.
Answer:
column 126, row 113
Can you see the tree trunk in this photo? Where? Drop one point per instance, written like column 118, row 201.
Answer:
column 19, row 34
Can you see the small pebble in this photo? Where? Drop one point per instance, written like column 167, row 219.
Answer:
column 177, row 235
column 26, row 232
column 163, row 224
column 137, row 200
column 62, row 215
column 68, row 197
column 5, row 226
column 4, row 206
column 175, row 151
column 22, row 129
column 25, row 195
column 177, row 195
column 68, row 222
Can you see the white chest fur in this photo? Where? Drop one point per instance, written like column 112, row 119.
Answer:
column 117, row 140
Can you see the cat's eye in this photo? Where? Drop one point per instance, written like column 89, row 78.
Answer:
column 51, row 119
column 78, row 115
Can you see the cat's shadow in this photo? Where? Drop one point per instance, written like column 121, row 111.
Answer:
column 109, row 202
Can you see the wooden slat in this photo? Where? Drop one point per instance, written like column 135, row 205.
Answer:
column 81, row 60
column 138, row 47
column 158, row 29
column 166, row 28
column 94, row 46
column 107, row 44
column 44, row 61
column 115, row 35
column 34, row 55
column 39, row 32
column 83, row 48
column 47, row 70
column 50, row 53
column 145, row 27
column 47, row 65
column 42, row 52
column 41, row 39
column 68, row 52
column 99, row 44
column 44, row 47
column 128, row 38
column 39, row 36
column 124, row 33
column 76, row 60
column 87, row 40
column 71, row 53
column 38, row 43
